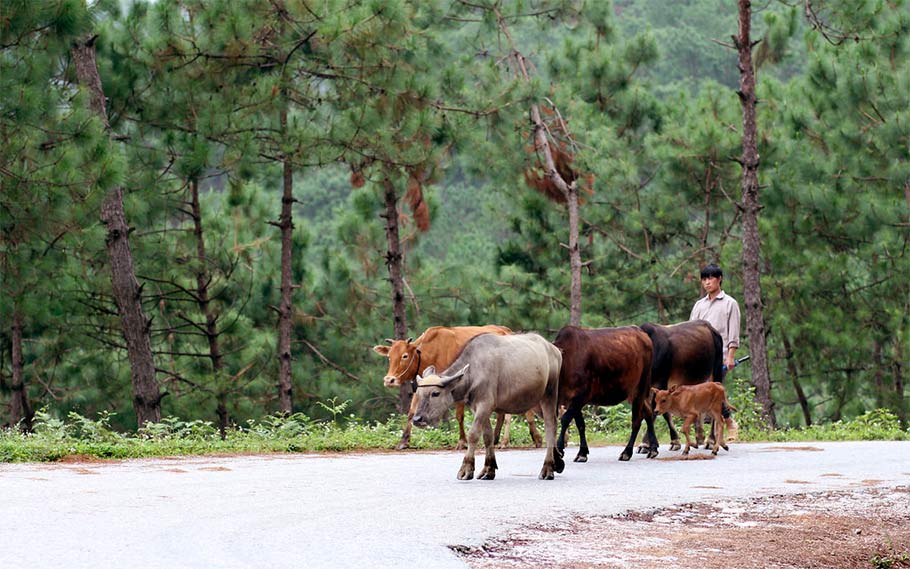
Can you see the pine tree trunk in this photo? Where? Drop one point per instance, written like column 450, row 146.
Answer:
column 755, row 324
column 394, row 260
column 574, row 256
column 136, row 326
column 286, row 224
column 899, row 382
column 793, row 370
column 205, row 304
column 20, row 409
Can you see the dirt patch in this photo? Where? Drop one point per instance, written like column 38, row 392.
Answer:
column 864, row 527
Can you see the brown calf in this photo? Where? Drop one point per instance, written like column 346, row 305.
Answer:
column 691, row 402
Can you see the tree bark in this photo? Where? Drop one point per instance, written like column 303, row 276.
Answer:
column 755, row 324
column 205, row 305
column 394, row 260
column 793, row 370
column 286, row 225
column 899, row 382
column 135, row 325
column 21, row 414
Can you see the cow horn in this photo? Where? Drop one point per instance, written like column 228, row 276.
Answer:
column 455, row 377
column 389, row 340
column 411, row 339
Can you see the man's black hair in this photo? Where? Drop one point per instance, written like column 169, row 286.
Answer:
column 711, row 270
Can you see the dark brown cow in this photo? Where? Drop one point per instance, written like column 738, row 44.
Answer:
column 691, row 402
column 687, row 353
column 438, row 346
column 605, row 366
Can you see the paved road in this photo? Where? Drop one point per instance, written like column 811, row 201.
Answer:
column 376, row 510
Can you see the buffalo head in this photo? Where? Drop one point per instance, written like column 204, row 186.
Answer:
column 435, row 395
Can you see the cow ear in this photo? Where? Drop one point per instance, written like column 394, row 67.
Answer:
column 654, row 391
column 431, row 370
column 673, row 388
column 381, row 350
column 455, row 377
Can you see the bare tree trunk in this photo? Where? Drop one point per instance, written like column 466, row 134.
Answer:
column 394, row 259
column 20, row 410
column 793, row 370
column 203, row 277
column 574, row 258
column 569, row 190
column 136, row 326
column 899, row 382
column 755, row 323
column 881, row 399
column 286, row 224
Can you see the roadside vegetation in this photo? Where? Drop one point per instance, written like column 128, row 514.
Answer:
column 83, row 438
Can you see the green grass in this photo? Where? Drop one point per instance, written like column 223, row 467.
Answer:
column 56, row 439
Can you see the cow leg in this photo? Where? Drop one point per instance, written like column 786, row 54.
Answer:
column 674, row 435
column 583, row 450
column 700, row 433
column 650, row 433
column 687, row 424
column 638, row 413
column 719, row 440
column 553, row 462
column 503, row 421
column 489, row 463
column 406, row 433
column 532, row 428
column 497, row 430
column 574, row 412
column 459, row 416
column 466, row 472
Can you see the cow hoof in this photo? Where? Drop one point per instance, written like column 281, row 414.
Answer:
column 402, row 445
column 558, row 465
column 625, row 456
column 465, row 475
column 461, row 445
column 547, row 474
column 487, row 474
column 652, row 453
column 675, row 446
column 581, row 458
column 642, row 449
column 726, row 448
column 685, row 451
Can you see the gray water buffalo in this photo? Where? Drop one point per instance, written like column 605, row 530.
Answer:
column 505, row 374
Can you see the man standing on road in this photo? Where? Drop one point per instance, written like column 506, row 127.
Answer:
column 721, row 311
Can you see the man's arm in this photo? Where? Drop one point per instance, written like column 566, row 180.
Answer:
column 733, row 323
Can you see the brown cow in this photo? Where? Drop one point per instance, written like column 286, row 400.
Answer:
column 687, row 353
column 691, row 402
column 605, row 366
column 438, row 346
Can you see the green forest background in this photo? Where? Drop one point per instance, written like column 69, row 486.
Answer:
column 420, row 94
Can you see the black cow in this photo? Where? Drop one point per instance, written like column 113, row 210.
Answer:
column 687, row 353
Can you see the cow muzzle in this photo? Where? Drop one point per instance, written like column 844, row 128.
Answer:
column 391, row 381
column 420, row 421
